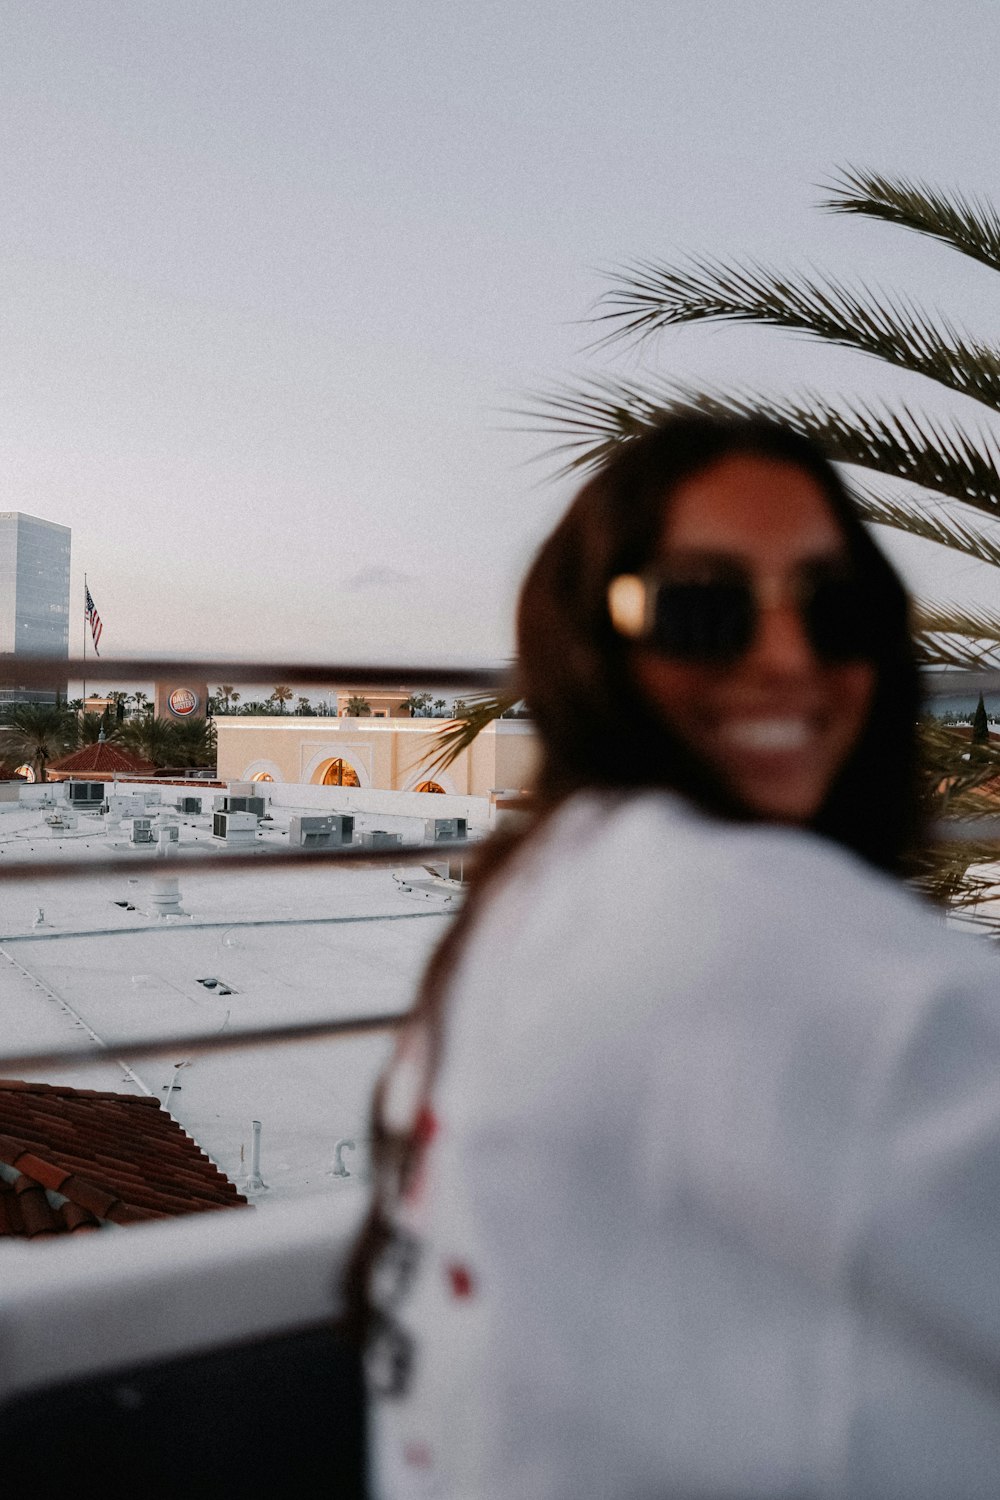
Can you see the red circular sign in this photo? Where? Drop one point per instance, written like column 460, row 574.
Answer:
column 182, row 702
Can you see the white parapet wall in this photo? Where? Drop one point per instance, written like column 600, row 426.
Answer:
column 294, row 796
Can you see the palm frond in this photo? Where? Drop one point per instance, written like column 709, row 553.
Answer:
column 593, row 419
column 955, row 619
column 457, row 735
column 949, row 635
column 933, row 520
column 935, row 650
column 647, row 297
column 968, row 224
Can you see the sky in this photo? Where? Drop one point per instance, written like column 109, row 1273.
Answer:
column 278, row 275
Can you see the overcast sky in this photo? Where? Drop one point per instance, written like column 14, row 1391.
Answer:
column 274, row 271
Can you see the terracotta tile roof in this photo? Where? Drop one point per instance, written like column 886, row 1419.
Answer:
column 74, row 1159
column 101, row 759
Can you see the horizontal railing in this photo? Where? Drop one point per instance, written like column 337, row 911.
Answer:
column 196, row 1041
column 285, row 860
column 43, row 671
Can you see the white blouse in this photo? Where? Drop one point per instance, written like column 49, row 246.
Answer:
column 710, row 1204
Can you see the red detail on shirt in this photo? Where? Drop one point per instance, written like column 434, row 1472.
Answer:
column 418, row 1455
column 425, row 1127
column 460, row 1280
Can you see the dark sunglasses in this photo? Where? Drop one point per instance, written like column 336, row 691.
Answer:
column 713, row 620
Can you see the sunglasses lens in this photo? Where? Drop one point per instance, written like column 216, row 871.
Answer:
column 839, row 621
column 709, row 622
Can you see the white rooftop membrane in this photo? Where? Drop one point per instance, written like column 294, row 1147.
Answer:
column 317, row 942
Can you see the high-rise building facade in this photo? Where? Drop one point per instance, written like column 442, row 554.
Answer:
column 34, row 597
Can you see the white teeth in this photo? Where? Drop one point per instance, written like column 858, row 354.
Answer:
column 769, row 734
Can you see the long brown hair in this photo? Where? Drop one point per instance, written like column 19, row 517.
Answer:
column 573, row 671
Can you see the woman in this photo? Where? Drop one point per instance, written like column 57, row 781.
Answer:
column 690, row 1161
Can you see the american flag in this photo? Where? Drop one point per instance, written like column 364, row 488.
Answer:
column 90, row 614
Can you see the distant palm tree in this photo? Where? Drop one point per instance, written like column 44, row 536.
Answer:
column 358, row 707
column 90, row 727
column 151, row 737
column 281, row 696
column 416, row 704
column 193, row 743
column 225, row 694
column 40, row 734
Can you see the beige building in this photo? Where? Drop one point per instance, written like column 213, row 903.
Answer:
column 384, row 754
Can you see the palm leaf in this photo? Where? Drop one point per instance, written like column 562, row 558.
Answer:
column 593, row 419
column 971, row 225
column 648, row 297
column 954, row 619
column 933, row 520
column 458, row 734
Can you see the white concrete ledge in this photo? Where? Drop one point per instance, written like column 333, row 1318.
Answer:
column 95, row 1303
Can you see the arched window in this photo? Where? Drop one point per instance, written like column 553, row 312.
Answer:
column 430, row 786
column 25, row 772
column 340, row 773
column 262, row 776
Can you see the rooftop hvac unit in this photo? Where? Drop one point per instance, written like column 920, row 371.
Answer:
column 255, row 805
column 88, row 793
column 328, row 831
column 241, row 788
column 445, row 830
column 228, row 803
column 379, row 839
column 141, row 831
column 126, row 806
column 169, row 832
column 234, row 827
column 189, row 806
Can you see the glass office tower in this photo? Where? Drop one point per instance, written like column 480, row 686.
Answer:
column 34, row 599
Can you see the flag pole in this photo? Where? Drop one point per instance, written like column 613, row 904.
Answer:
column 85, row 592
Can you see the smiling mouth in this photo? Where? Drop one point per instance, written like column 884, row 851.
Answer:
column 774, row 734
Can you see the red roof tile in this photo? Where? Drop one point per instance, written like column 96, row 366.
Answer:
column 73, row 1159
column 101, row 759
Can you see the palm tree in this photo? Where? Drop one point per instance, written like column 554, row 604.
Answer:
column 193, row 743
column 931, row 476
column 358, row 707
column 90, row 728
column 152, row 737
column 416, row 704
column 934, row 477
column 225, row 695
column 40, row 733
column 281, row 696
column 120, row 699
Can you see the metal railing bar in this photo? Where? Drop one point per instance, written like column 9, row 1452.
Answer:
column 31, row 671
column 188, row 1042
column 960, row 681
column 966, row 831
column 210, row 862
column 52, row 935
column 41, row 671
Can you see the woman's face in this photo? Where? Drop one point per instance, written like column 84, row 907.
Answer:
column 777, row 724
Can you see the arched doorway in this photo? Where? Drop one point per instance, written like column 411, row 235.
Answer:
column 25, row 772
column 430, row 786
column 340, row 773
